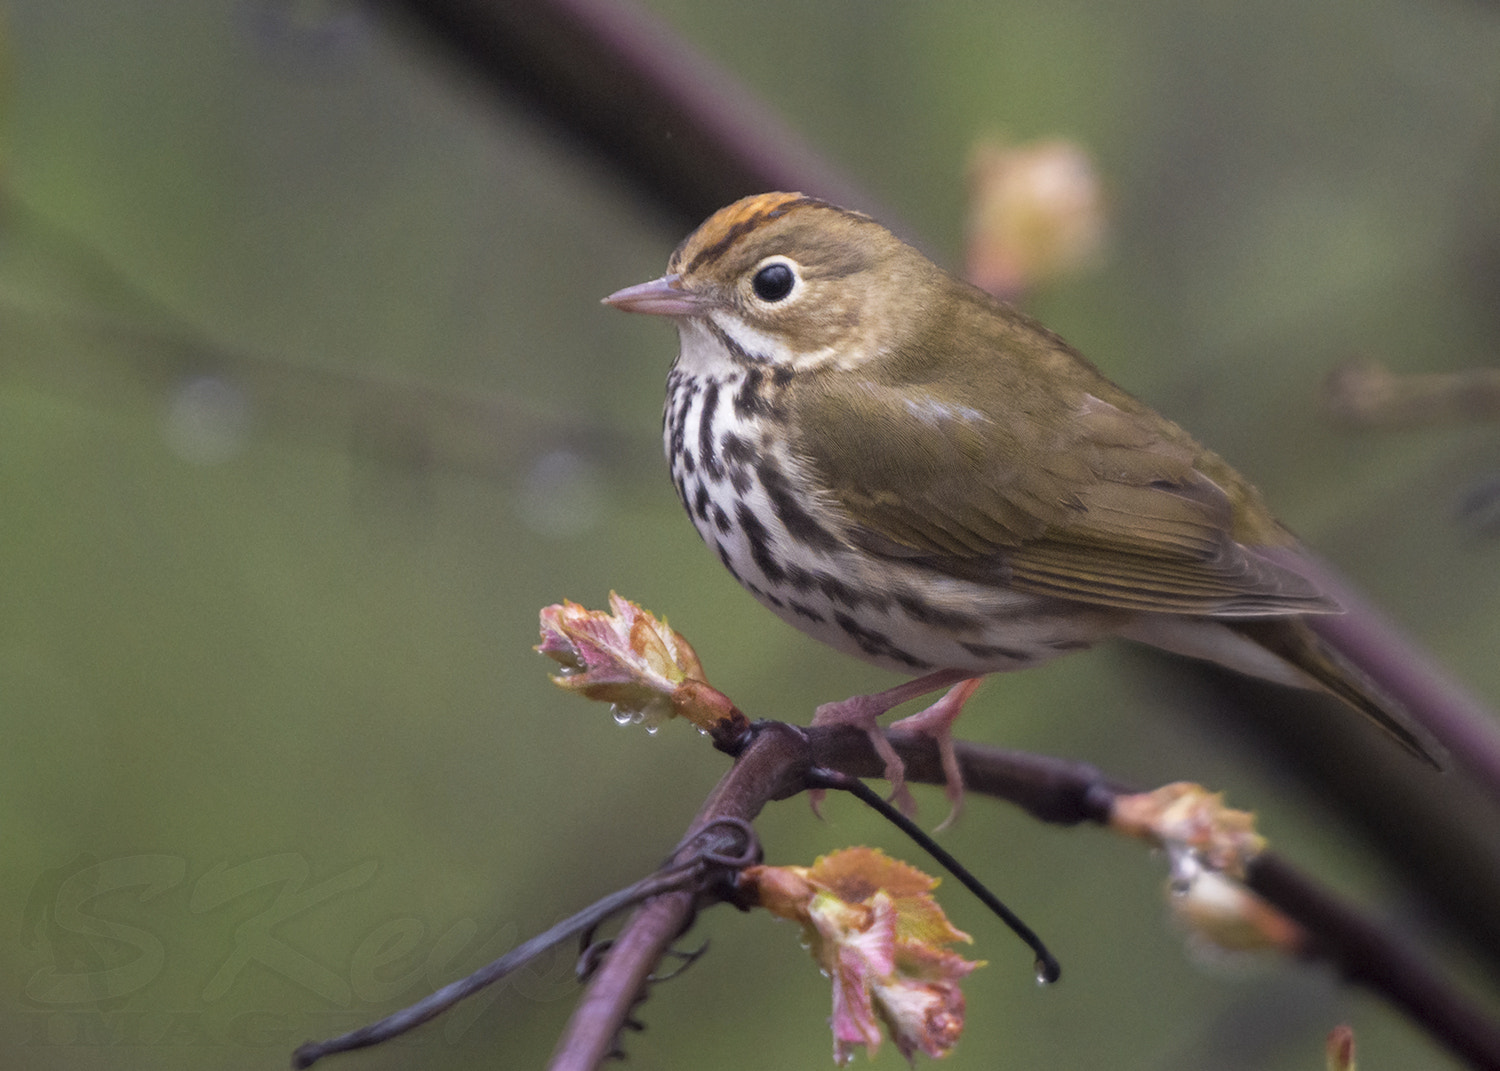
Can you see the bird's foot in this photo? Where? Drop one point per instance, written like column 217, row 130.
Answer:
column 863, row 711
column 937, row 722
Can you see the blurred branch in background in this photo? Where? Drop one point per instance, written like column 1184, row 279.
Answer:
column 617, row 80
column 1366, row 394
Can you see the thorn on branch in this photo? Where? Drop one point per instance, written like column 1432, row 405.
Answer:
column 686, row 960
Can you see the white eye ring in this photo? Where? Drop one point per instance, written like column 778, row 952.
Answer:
column 775, row 279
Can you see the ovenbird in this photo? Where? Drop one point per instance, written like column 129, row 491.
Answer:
column 919, row 475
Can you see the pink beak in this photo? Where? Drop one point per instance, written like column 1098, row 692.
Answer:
column 660, row 297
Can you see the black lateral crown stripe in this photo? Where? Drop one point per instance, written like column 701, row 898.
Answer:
column 713, row 252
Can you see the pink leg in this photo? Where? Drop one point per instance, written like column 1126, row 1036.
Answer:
column 937, row 722
column 861, row 711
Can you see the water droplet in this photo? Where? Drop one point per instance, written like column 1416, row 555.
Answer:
column 563, row 495
column 208, row 421
column 1184, row 870
column 622, row 717
column 1047, row 971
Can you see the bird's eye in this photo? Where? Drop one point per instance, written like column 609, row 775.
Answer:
column 774, row 281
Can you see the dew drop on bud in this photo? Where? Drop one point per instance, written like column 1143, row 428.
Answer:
column 1184, row 870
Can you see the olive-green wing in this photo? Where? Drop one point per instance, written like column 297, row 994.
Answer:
column 1075, row 497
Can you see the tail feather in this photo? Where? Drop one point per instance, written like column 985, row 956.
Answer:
column 1293, row 642
column 1288, row 651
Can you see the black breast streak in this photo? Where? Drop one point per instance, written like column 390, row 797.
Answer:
column 800, row 578
column 707, row 458
column 755, row 401
column 804, row 611
column 926, row 614
column 800, row 524
column 835, row 590
column 737, row 454
column 679, row 393
column 683, row 389
column 877, row 643
column 728, row 562
column 747, row 400
column 760, row 545
column 990, row 650
column 736, row 450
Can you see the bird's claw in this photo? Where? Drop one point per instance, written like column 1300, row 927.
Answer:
column 863, row 711
column 936, row 722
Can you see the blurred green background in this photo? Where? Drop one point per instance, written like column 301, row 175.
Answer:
column 307, row 405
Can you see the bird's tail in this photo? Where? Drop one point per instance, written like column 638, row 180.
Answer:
column 1294, row 642
column 1288, row 651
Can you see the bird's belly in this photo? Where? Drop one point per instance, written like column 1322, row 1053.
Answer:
column 896, row 614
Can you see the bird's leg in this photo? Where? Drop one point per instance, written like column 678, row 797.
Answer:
column 861, row 711
column 937, row 722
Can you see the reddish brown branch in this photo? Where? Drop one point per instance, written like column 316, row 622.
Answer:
column 774, row 765
column 601, row 1014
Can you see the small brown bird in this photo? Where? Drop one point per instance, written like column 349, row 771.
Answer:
column 921, row 476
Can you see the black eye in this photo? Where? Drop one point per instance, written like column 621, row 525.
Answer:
column 773, row 282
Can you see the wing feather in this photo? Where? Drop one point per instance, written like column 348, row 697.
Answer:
column 1028, row 468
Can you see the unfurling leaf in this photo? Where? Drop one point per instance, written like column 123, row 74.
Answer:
column 635, row 662
column 1209, row 846
column 873, row 926
column 1187, row 818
